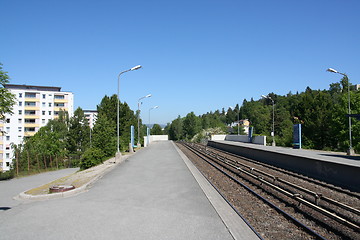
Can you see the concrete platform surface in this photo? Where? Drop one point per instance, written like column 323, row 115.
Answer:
column 334, row 157
column 152, row 195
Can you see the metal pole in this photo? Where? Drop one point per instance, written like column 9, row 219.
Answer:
column 238, row 120
column 273, row 118
column 118, row 117
column 350, row 151
column 138, row 143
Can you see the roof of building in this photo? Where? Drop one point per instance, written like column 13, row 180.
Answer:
column 32, row 87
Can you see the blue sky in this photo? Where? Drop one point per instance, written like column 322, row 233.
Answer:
column 198, row 55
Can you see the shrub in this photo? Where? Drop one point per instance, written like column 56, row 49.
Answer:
column 91, row 157
column 7, row 175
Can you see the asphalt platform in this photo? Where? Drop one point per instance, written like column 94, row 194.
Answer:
column 155, row 194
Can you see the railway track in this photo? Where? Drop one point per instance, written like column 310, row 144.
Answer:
column 297, row 203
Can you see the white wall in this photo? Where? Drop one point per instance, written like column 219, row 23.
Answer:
column 218, row 137
column 154, row 138
column 261, row 140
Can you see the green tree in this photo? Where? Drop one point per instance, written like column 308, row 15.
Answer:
column 104, row 136
column 156, row 130
column 78, row 138
column 176, row 129
column 191, row 126
column 7, row 99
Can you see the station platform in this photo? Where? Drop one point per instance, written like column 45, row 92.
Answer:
column 156, row 193
column 333, row 167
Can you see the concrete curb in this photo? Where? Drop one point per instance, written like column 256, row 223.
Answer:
column 83, row 188
column 235, row 224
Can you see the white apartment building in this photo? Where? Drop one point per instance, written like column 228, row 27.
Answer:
column 91, row 116
column 34, row 107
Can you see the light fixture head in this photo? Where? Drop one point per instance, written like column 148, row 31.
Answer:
column 332, row 70
column 136, row 67
column 149, row 95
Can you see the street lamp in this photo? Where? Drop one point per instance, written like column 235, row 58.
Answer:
column 139, row 103
column 350, row 151
column 118, row 153
column 273, row 119
column 238, row 117
column 148, row 129
column 150, row 110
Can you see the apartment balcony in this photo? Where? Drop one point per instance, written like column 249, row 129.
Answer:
column 60, row 100
column 35, row 108
column 31, row 116
column 29, row 134
column 58, row 109
column 31, row 125
column 31, row 99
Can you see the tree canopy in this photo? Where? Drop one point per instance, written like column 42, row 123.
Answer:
column 322, row 113
column 7, row 99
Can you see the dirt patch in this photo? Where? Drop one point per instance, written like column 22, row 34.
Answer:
column 78, row 179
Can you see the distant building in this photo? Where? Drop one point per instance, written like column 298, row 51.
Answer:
column 244, row 123
column 35, row 106
column 91, row 116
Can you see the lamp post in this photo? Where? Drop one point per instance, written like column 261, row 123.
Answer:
column 150, row 110
column 350, row 151
column 118, row 153
column 139, row 103
column 238, row 118
column 148, row 129
column 273, row 119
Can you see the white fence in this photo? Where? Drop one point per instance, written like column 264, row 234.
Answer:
column 154, row 138
column 261, row 140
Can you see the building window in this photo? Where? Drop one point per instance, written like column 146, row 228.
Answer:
column 30, row 112
column 8, row 120
column 32, row 104
column 44, row 104
column 7, row 130
column 20, row 112
column 20, row 120
column 43, row 121
column 49, row 112
column 7, row 148
column 30, row 121
column 43, row 112
column 49, row 104
column 20, row 104
column 7, row 138
column 44, row 96
column 29, row 129
column 20, row 129
column 20, row 95
column 59, row 96
column 7, row 164
column 30, row 95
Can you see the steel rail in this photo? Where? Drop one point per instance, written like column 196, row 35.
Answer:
column 288, row 216
column 317, row 196
column 297, row 197
column 353, row 194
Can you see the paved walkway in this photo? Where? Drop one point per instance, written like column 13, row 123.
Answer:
column 152, row 195
column 11, row 188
